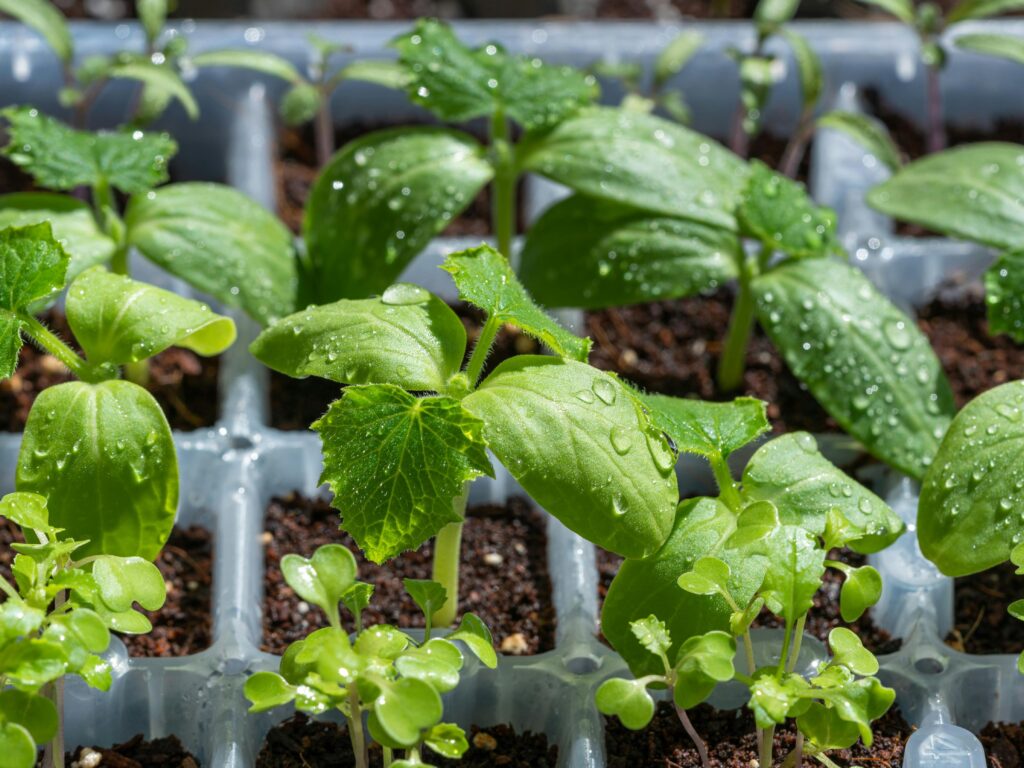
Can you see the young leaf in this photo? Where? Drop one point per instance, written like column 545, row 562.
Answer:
column 578, row 442
column 804, row 486
column 447, row 740
column 250, row 58
column 982, row 9
column 485, row 279
column 119, row 320
column 591, row 253
column 26, row 510
column 405, row 708
column 626, row 699
column 877, row 375
column 389, row 74
column 59, row 157
column 869, row 132
column 436, row 662
column 755, row 521
column 356, row 598
column 123, row 581
column 858, row 701
column 378, row 203
column 268, row 690
column 44, row 18
column 969, row 514
column 153, row 15
column 408, row 337
column 652, row 635
column 708, row 429
column 795, row 566
column 324, row 578
column 861, row 589
column 157, row 78
column 848, row 650
column 458, row 84
column 901, row 9
column 642, row 161
column 812, row 77
column 824, row 728
column 221, row 242
column 107, row 466
column 396, row 462
column 704, row 661
column 1002, row 46
column 474, row 633
column 779, row 213
column 300, row 103
column 773, row 699
column 675, row 56
column 772, row 13
column 974, row 192
column 429, row 596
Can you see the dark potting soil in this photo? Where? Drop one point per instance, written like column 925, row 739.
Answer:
column 137, row 752
column 980, row 621
column 503, row 575
column 1004, row 744
column 731, row 741
column 184, row 384
column 672, row 347
column 974, row 361
column 300, row 742
column 821, row 619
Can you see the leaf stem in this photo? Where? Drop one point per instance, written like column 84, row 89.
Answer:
column 767, row 743
column 483, row 347
column 389, row 756
column 796, row 147
column 798, row 751
column 732, row 363
column 748, row 647
column 786, row 641
column 53, row 754
column 503, row 206
column 447, row 557
column 698, row 742
column 355, row 729
column 936, row 124
column 53, row 344
column 798, row 638
column 727, row 489
column 324, row 128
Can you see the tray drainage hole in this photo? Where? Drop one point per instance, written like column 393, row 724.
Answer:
column 582, row 665
column 929, row 665
column 240, row 443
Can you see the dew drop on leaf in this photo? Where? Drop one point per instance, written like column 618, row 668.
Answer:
column 402, row 294
column 622, row 442
column 605, row 391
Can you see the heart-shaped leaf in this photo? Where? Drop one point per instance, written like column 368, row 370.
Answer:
column 405, row 708
column 123, row 581
column 626, row 699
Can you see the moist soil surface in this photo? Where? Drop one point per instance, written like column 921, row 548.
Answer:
column 503, row 576
column 184, row 384
column 731, row 742
column 1004, row 744
column 672, row 347
column 300, row 743
column 980, row 621
column 821, row 619
column 137, row 752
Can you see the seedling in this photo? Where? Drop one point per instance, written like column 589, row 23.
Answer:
column 309, row 98
column 860, row 356
column 383, row 672
column 399, row 462
column 929, row 23
column 761, row 543
column 98, row 448
column 55, row 622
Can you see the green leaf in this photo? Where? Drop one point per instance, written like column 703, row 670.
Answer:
column 861, row 589
column 16, row 744
column 323, row 579
column 407, row 337
column 795, row 566
column 389, row 74
column 474, row 633
column 436, row 662
column 772, row 13
column 120, row 320
column 982, row 9
column 626, row 699
column 219, row 241
column 406, row 708
column 383, row 641
column 356, row 598
column 153, row 15
column 969, row 514
column 755, row 521
column 708, row 429
column 1002, row 46
column 862, row 358
column 300, row 103
column 107, row 466
column 30, row 663
column 396, row 462
column 428, row 595
column 591, row 253
column 457, row 83
column 824, row 728
column 848, row 650
column 36, row 714
column 652, row 635
column 380, row 201
column 73, row 222
column 901, row 9
column 869, row 131
column 758, row 76
column 675, row 56
column 123, row 581
column 704, row 661
column 18, row 619
column 447, row 740
column 779, row 213
column 44, row 18
column 856, row 701
column 974, row 192
column 1004, row 295
column 250, row 58
column 812, row 77
column 88, row 628
column 485, row 279
column 773, row 699
column 649, row 586
column 640, row 160
column 26, row 510
column 32, row 267
column 59, row 157
column 268, row 690
column 1016, row 609
column 580, row 445
column 161, row 78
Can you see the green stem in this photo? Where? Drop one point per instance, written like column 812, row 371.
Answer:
column 483, row 347
column 786, row 641
column 137, row 372
column 503, row 207
column 389, row 756
column 733, row 361
column 748, row 647
column 727, row 489
column 53, row 344
column 767, row 741
column 798, row 638
column 119, row 261
column 355, row 729
column 447, row 556
column 53, row 755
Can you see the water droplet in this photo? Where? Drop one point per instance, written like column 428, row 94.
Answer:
column 898, row 334
column 402, row 294
column 622, row 442
column 585, row 395
column 605, row 390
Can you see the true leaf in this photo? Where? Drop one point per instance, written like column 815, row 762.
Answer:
column 1003, row 46
column 870, row 132
column 969, row 513
column 779, row 213
column 322, row 579
column 704, row 661
column 104, row 456
column 26, row 510
column 123, row 581
column 429, row 596
column 773, row 699
column 160, row 78
column 708, row 429
column 119, row 320
column 578, row 442
column 44, row 18
column 396, row 462
column 862, row 358
column 804, row 486
column 219, row 241
column 812, row 78
column 378, row 203
column 755, row 521
column 356, row 598
column 458, row 83
column 407, row 337
column 981, row 9
column 485, row 279
column 795, row 566
column 626, row 699
column 861, row 589
column 406, row 708
column 59, row 157
column 974, row 192
column 858, row 701
column 447, row 740
column 640, row 160
column 1004, row 295
column 592, row 253
column 35, row 713
column 250, row 58
column 676, row 55
column 848, row 650
column 652, row 635
column 474, row 633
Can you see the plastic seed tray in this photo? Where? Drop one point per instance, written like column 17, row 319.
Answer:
column 229, row 472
